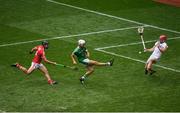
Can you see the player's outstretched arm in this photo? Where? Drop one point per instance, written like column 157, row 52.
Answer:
column 48, row 61
column 33, row 49
column 73, row 58
column 151, row 49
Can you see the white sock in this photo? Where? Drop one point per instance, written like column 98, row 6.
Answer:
column 108, row 63
column 83, row 77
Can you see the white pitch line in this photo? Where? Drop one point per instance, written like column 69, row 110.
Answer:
column 130, row 44
column 70, row 36
column 2, row 111
column 111, row 16
column 137, row 60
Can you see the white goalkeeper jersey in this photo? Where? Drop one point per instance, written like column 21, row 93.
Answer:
column 157, row 53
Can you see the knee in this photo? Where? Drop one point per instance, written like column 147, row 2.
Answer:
column 45, row 72
column 28, row 72
column 91, row 70
column 149, row 67
column 93, row 62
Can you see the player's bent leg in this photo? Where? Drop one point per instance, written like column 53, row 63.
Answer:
column 149, row 66
column 44, row 70
column 30, row 70
column 20, row 67
column 90, row 70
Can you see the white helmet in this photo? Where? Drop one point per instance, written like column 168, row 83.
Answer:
column 81, row 42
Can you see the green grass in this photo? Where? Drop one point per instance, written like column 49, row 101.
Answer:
column 123, row 87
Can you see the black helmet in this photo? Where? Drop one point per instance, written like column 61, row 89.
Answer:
column 45, row 44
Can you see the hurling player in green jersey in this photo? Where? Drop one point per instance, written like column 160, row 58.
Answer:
column 82, row 55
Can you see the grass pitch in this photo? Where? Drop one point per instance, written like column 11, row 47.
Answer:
column 123, row 87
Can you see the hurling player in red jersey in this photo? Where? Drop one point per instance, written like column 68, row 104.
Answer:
column 36, row 62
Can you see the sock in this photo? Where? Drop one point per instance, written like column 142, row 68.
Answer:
column 108, row 63
column 84, row 76
column 50, row 81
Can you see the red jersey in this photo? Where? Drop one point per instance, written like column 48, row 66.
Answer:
column 39, row 55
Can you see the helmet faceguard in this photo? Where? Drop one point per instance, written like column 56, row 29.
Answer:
column 162, row 38
column 45, row 44
column 81, row 43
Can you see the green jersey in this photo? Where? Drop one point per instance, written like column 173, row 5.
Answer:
column 80, row 53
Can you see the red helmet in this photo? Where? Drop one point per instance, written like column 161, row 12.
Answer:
column 162, row 38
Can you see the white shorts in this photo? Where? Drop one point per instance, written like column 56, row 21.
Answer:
column 152, row 57
column 36, row 65
column 86, row 61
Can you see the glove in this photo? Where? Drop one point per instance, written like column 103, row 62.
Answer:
column 31, row 52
